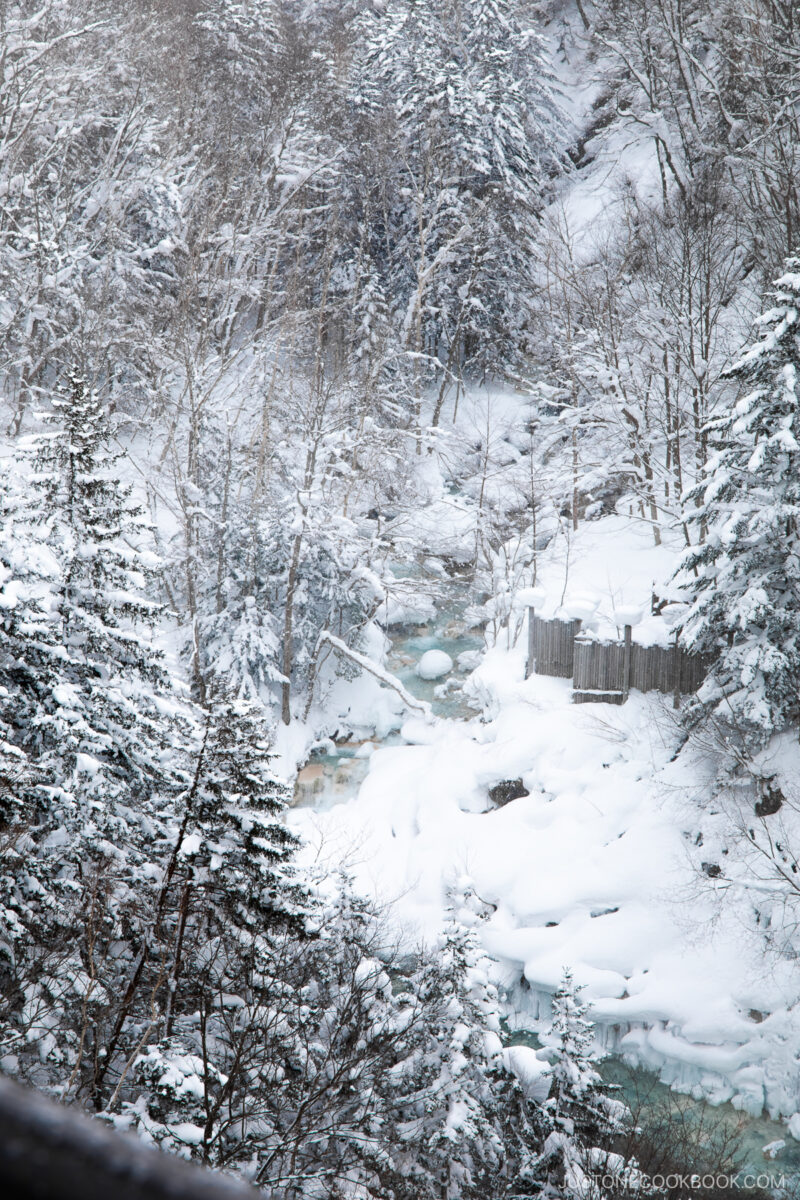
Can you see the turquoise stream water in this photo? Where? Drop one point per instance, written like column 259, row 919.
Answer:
column 652, row 1104
column 335, row 771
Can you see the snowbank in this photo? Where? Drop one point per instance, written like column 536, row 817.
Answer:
column 607, row 574
column 593, row 869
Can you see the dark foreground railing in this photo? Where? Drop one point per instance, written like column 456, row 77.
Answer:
column 52, row 1153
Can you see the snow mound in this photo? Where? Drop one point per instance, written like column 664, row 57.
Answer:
column 434, row 664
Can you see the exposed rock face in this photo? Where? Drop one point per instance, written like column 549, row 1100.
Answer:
column 771, row 799
column 508, row 790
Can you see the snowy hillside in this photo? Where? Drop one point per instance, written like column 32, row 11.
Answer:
column 366, row 369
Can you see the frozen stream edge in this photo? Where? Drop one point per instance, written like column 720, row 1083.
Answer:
column 335, row 777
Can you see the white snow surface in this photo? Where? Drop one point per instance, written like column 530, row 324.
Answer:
column 605, row 575
column 596, row 868
column 434, row 664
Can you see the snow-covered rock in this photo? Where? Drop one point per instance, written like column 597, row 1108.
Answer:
column 434, row 664
column 468, row 660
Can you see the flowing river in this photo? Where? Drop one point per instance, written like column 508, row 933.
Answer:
column 334, row 774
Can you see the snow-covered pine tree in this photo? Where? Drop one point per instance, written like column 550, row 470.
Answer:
column 463, row 96
column 30, row 653
column 582, row 1117
column 322, row 1059
column 86, row 518
column 29, row 903
column 236, row 639
column 406, row 1050
column 279, row 1049
column 513, row 137
column 230, row 897
column 239, row 848
column 92, row 804
column 474, row 1131
column 743, row 577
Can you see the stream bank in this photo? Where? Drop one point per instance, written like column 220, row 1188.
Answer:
column 334, row 777
column 336, row 769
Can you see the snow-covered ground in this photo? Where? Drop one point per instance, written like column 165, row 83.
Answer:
column 596, row 868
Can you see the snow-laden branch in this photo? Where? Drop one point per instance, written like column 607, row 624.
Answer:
column 384, row 676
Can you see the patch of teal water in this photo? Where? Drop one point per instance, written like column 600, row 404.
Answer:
column 655, row 1105
column 722, row 1124
column 449, row 632
column 444, row 695
column 334, row 773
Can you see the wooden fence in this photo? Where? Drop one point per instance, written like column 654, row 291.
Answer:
column 599, row 673
column 551, row 646
column 605, row 671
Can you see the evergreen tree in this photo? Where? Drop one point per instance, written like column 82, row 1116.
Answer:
column 85, row 517
column 744, row 576
column 334, row 1066
column 236, row 637
column 462, row 96
column 30, row 655
column 513, row 137
column 29, row 904
column 478, row 1134
column 235, row 839
column 581, row 1116
column 94, row 753
column 231, row 905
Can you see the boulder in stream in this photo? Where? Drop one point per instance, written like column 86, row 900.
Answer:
column 771, row 800
column 434, row 664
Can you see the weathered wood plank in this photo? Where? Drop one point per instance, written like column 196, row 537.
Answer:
column 597, row 697
column 554, row 643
